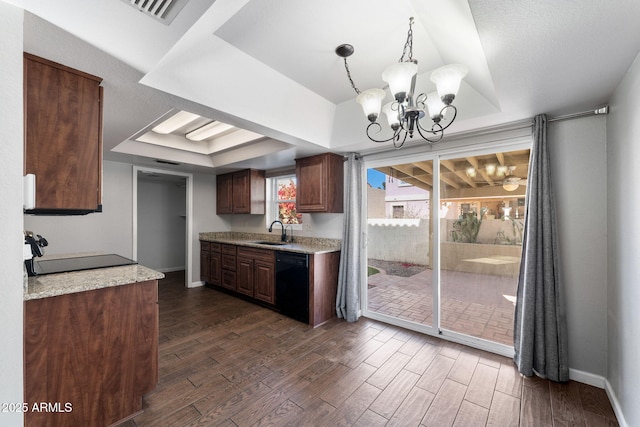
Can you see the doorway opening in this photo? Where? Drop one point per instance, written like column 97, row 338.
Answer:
column 162, row 220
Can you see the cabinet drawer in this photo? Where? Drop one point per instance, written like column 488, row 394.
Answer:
column 265, row 255
column 228, row 279
column 214, row 247
column 228, row 262
column 205, row 246
column 228, row 249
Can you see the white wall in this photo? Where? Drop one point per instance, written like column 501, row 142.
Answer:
column 11, row 160
column 108, row 232
column 623, row 208
column 204, row 216
column 398, row 239
column 578, row 157
column 161, row 224
column 324, row 225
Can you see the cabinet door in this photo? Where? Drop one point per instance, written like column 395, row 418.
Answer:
column 264, row 281
column 320, row 183
column 311, row 176
column 113, row 334
column 228, row 280
column 205, row 265
column 241, row 193
column 224, row 191
column 245, row 276
column 63, row 135
column 215, row 269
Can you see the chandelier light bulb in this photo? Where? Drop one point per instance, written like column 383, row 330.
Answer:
column 435, row 106
column 392, row 115
column 447, row 80
column 471, row 172
column 371, row 101
column 399, row 77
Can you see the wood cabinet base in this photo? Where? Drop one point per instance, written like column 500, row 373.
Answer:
column 90, row 356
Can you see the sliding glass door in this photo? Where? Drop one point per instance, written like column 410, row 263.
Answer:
column 447, row 261
column 399, row 250
column 482, row 216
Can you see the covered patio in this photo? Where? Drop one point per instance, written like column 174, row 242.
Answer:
column 479, row 305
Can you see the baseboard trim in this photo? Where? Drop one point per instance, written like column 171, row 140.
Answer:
column 587, row 378
column 600, row 382
column 615, row 404
column 196, row 284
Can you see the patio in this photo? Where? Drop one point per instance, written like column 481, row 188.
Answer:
column 472, row 304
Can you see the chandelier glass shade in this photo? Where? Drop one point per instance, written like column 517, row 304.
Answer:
column 405, row 113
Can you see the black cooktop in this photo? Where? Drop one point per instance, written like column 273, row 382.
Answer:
column 64, row 265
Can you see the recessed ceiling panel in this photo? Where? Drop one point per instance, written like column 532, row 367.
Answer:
column 303, row 48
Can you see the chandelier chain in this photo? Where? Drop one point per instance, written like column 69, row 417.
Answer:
column 353, row 85
column 408, row 44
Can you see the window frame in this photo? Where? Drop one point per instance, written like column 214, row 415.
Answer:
column 271, row 208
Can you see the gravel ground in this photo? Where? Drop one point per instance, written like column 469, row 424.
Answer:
column 394, row 268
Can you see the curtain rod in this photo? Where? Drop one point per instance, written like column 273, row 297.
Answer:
column 599, row 111
column 522, row 124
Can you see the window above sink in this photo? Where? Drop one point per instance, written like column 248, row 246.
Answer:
column 281, row 201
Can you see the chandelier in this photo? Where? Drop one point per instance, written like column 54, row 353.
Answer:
column 405, row 112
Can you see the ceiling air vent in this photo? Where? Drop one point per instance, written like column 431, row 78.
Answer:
column 162, row 10
column 167, row 162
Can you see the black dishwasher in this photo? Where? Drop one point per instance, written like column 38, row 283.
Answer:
column 292, row 285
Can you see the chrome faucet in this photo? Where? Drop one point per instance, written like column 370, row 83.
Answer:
column 283, row 237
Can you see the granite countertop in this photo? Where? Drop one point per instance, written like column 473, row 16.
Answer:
column 79, row 281
column 305, row 245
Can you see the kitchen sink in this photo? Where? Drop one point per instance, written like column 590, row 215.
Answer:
column 266, row 242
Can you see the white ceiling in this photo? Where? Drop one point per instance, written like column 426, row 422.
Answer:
column 270, row 67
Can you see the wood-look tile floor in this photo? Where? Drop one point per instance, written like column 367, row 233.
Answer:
column 227, row 362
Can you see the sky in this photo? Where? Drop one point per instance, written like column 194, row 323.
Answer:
column 375, row 178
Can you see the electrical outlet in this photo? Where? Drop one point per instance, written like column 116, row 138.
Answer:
column 306, row 226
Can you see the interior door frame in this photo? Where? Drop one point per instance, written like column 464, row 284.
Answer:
column 188, row 212
column 387, row 159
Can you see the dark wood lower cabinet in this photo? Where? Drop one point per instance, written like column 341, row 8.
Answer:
column 245, row 276
column 253, row 276
column 215, row 268
column 256, row 273
column 323, row 287
column 264, row 281
column 205, row 262
column 90, row 356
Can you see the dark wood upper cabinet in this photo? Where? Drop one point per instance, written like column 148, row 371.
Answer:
column 63, row 136
column 224, row 194
column 320, row 183
column 241, row 192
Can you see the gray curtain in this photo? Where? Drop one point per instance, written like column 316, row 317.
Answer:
column 540, row 336
column 350, row 273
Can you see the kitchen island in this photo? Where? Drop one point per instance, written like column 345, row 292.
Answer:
column 245, row 264
column 90, row 345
